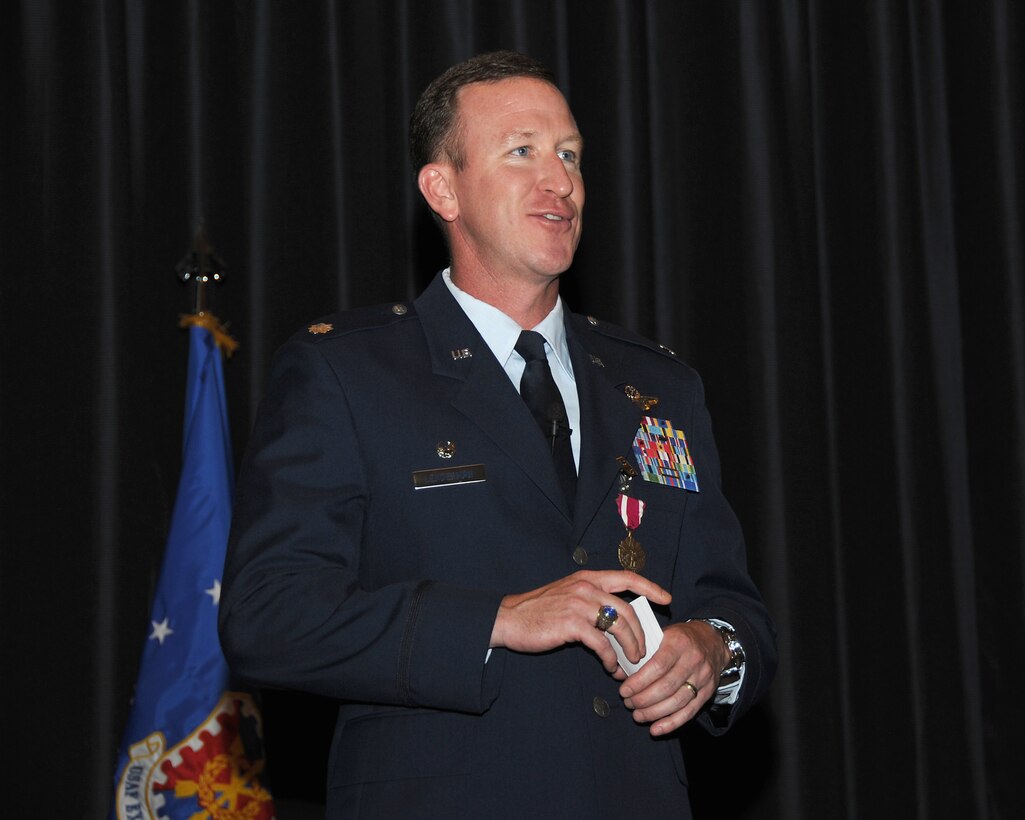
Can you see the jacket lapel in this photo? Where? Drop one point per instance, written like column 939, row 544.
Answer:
column 484, row 393
column 608, row 422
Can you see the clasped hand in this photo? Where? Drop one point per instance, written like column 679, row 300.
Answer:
column 564, row 611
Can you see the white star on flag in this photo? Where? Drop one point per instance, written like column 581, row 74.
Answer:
column 215, row 591
column 160, row 631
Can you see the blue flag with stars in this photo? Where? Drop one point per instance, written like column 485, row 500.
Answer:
column 193, row 745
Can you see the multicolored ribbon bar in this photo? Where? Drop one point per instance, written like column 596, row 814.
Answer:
column 663, row 456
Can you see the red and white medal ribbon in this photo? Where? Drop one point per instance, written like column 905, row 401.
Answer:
column 631, row 510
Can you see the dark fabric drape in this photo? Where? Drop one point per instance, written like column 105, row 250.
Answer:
column 818, row 205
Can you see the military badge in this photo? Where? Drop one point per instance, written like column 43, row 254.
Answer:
column 644, row 402
column 662, row 455
column 631, row 553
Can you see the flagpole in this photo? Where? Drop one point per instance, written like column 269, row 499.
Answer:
column 202, row 267
column 192, row 746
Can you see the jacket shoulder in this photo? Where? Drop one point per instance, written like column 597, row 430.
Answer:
column 632, row 340
column 355, row 321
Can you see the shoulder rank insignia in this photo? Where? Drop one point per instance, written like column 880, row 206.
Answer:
column 320, row 327
column 644, row 402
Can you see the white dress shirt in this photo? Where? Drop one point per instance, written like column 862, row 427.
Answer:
column 500, row 334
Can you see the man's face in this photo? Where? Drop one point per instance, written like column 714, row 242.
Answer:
column 520, row 194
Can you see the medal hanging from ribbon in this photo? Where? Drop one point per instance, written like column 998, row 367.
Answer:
column 631, row 553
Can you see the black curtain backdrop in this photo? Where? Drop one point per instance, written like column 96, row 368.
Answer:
column 817, row 204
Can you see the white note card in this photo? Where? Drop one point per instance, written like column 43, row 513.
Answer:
column 652, row 635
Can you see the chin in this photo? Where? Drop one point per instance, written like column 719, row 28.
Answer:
column 551, row 271
column 555, row 264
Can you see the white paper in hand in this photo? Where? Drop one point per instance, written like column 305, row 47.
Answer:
column 652, row 635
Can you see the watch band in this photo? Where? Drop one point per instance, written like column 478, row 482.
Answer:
column 731, row 672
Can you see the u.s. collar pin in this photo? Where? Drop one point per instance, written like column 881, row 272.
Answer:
column 446, row 449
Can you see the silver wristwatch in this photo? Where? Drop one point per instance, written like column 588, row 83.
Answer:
column 731, row 672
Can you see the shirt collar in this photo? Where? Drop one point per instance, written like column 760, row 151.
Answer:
column 500, row 332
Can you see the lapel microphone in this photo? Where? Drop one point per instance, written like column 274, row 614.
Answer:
column 557, row 416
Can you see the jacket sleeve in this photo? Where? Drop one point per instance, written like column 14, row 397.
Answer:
column 293, row 611
column 712, row 578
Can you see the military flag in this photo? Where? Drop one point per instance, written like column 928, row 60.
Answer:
column 193, row 745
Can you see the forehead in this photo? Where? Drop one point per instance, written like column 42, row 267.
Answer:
column 519, row 104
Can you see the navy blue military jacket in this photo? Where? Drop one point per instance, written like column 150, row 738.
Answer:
column 345, row 579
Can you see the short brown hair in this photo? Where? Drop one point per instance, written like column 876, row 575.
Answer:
column 433, row 125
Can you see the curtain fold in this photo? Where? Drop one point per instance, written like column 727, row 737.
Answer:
column 818, row 205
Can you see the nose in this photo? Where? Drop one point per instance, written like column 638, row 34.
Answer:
column 557, row 178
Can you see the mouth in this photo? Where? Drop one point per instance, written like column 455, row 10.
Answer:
column 555, row 216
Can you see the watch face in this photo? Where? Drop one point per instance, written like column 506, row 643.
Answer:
column 737, row 653
column 736, row 650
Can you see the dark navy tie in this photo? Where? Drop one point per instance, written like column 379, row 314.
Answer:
column 542, row 396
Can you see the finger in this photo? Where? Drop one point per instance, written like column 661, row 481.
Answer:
column 638, row 685
column 672, row 683
column 625, row 581
column 675, row 720
column 670, row 713
column 682, row 698
column 627, row 630
column 679, row 656
column 595, row 640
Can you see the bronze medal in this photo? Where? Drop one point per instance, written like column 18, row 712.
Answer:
column 631, row 553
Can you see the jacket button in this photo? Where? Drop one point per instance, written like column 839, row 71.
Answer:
column 600, row 706
column 580, row 556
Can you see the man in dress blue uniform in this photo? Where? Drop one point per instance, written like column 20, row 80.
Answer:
column 446, row 505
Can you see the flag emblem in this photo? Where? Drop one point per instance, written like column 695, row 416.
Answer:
column 213, row 773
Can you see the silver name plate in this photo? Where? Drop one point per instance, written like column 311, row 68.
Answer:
column 449, row 476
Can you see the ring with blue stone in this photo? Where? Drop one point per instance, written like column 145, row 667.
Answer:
column 607, row 616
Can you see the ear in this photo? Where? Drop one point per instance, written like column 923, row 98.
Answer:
column 435, row 183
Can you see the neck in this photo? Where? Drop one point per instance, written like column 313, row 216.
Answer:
column 525, row 302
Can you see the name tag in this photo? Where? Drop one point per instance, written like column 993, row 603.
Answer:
column 449, row 476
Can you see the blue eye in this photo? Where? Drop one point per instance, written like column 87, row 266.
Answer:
column 522, row 151
column 568, row 156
